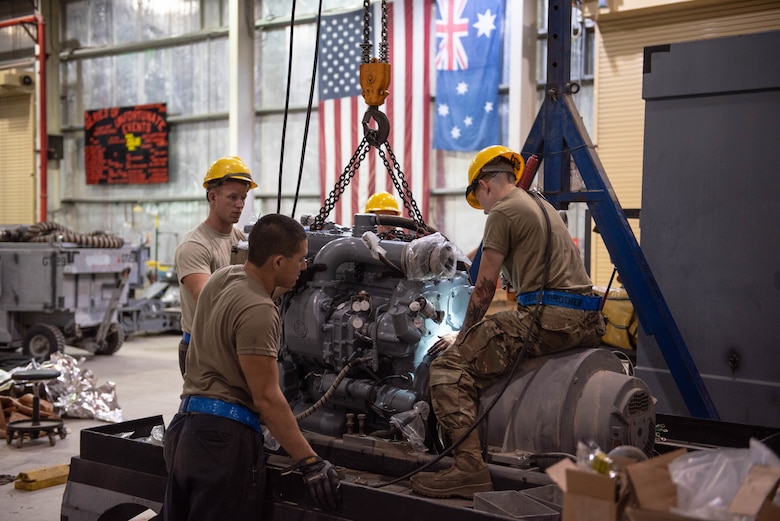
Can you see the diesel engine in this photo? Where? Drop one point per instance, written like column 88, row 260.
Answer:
column 358, row 325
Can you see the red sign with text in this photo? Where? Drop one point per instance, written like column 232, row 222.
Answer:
column 126, row 145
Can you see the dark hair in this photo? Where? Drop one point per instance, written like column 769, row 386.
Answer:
column 274, row 234
column 501, row 165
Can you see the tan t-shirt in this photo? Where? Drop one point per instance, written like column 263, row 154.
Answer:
column 235, row 316
column 202, row 250
column 516, row 228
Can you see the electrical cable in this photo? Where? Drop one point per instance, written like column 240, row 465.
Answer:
column 332, row 389
column 308, row 109
column 628, row 365
column 521, row 355
column 539, row 455
column 407, row 223
column 286, row 108
column 606, row 292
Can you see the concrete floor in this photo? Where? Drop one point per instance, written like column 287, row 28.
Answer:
column 148, row 383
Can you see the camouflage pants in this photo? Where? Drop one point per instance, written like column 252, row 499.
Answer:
column 490, row 348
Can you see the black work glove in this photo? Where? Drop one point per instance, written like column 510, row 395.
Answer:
column 322, row 479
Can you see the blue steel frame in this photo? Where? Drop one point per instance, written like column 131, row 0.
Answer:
column 556, row 136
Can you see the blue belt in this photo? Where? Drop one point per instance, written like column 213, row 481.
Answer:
column 562, row 299
column 185, row 338
column 231, row 411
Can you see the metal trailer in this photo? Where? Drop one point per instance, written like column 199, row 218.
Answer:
column 153, row 304
column 117, row 477
column 58, row 293
column 120, row 473
column 156, row 310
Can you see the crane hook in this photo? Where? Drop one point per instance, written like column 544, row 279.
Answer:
column 377, row 136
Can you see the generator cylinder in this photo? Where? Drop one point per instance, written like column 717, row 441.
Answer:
column 554, row 401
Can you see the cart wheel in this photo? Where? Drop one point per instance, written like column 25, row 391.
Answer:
column 41, row 340
column 114, row 340
column 19, row 439
column 52, row 440
column 9, row 437
column 63, row 433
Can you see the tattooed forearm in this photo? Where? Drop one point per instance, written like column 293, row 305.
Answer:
column 479, row 303
column 484, row 292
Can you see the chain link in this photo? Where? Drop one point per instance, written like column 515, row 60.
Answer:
column 366, row 45
column 396, row 176
column 383, row 44
column 402, row 186
column 341, row 184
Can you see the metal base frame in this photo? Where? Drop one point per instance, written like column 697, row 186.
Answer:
column 113, row 486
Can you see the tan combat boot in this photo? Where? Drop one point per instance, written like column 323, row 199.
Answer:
column 468, row 476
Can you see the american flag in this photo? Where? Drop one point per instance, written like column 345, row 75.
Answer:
column 468, row 61
column 341, row 104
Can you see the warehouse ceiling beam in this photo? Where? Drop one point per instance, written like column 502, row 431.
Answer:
column 80, row 53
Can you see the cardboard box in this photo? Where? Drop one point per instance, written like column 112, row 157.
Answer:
column 644, row 491
column 588, row 496
column 651, row 483
column 656, row 494
column 754, row 497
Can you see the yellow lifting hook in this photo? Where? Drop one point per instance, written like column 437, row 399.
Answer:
column 374, row 81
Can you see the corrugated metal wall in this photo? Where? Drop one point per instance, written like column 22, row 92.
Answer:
column 619, row 129
column 17, row 160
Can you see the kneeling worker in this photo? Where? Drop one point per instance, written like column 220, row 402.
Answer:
column 526, row 240
column 213, row 447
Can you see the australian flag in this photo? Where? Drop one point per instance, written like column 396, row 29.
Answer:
column 468, row 63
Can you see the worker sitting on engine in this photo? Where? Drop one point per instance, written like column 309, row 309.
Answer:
column 383, row 203
column 208, row 246
column 526, row 239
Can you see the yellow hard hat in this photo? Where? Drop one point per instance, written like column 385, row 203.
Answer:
column 483, row 158
column 382, row 201
column 228, row 167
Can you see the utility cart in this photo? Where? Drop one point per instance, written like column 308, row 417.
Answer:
column 57, row 293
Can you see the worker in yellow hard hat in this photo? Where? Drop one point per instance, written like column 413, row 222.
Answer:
column 383, row 203
column 526, row 240
column 207, row 247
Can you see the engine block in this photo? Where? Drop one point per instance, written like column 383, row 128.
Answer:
column 357, row 328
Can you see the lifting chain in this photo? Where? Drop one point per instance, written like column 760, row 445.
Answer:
column 403, row 187
column 341, row 184
column 383, row 44
column 366, row 45
column 374, row 80
column 396, row 175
